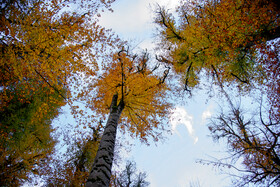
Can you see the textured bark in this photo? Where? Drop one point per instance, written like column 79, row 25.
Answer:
column 101, row 169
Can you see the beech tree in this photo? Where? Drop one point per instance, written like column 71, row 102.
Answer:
column 134, row 95
column 44, row 48
column 221, row 39
column 231, row 42
column 43, row 44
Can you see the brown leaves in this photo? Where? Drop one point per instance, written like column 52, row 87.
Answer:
column 47, row 47
column 269, row 61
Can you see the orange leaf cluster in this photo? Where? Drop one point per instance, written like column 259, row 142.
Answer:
column 141, row 91
column 44, row 46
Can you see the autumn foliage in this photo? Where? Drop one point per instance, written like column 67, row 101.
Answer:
column 269, row 58
column 141, row 90
column 43, row 46
column 50, row 56
column 232, row 43
column 130, row 91
column 218, row 38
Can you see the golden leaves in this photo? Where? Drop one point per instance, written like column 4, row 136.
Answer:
column 46, row 47
column 141, row 91
column 42, row 50
column 217, row 34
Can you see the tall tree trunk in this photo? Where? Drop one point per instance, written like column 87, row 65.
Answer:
column 101, row 170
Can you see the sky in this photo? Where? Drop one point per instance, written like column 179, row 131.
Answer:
column 171, row 163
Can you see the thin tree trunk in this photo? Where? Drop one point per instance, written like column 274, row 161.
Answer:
column 101, row 170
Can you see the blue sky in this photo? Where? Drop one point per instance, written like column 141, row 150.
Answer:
column 171, row 163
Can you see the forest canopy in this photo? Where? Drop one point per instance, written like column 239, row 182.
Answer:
column 222, row 39
column 43, row 46
column 55, row 53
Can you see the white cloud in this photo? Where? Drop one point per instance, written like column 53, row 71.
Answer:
column 132, row 17
column 206, row 114
column 128, row 17
column 171, row 4
column 180, row 116
column 147, row 44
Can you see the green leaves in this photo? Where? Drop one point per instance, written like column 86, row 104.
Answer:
column 26, row 133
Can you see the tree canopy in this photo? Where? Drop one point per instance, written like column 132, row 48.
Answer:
column 50, row 56
column 43, row 42
column 140, row 89
column 220, row 38
column 26, row 137
column 232, row 43
column 136, row 99
column 45, row 46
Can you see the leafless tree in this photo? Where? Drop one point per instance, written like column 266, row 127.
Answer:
column 253, row 143
column 129, row 177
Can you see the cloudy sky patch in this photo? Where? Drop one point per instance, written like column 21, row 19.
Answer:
column 180, row 116
column 207, row 114
column 133, row 17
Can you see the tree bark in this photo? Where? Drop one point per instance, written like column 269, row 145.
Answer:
column 101, row 170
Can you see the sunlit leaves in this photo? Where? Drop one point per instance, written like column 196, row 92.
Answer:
column 42, row 45
column 141, row 91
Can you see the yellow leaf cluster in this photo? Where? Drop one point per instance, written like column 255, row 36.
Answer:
column 217, row 36
column 43, row 46
column 141, row 91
